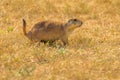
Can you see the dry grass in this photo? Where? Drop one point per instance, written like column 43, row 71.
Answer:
column 93, row 53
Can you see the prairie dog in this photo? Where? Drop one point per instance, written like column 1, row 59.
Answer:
column 51, row 31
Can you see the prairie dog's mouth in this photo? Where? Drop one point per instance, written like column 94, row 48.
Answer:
column 72, row 28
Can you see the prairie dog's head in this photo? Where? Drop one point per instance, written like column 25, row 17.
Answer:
column 73, row 24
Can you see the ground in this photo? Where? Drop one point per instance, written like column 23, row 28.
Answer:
column 93, row 52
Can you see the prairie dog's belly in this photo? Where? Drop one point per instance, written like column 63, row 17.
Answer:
column 50, row 35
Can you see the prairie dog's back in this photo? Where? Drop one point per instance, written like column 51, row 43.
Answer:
column 48, row 30
column 46, row 24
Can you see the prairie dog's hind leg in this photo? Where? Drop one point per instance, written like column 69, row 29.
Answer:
column 50, row 42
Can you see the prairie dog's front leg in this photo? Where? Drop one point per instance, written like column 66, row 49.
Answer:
column 65, row 40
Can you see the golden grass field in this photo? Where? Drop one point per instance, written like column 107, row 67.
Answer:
column 93, row 52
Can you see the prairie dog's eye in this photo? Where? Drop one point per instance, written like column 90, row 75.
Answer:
column 75, row 19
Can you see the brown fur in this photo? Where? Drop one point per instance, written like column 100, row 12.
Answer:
column 51, row 31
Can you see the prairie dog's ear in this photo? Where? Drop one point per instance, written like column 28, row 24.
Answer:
column 70, row 20
column 74, row 19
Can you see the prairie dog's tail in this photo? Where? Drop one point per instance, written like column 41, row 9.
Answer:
column 24, row 27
